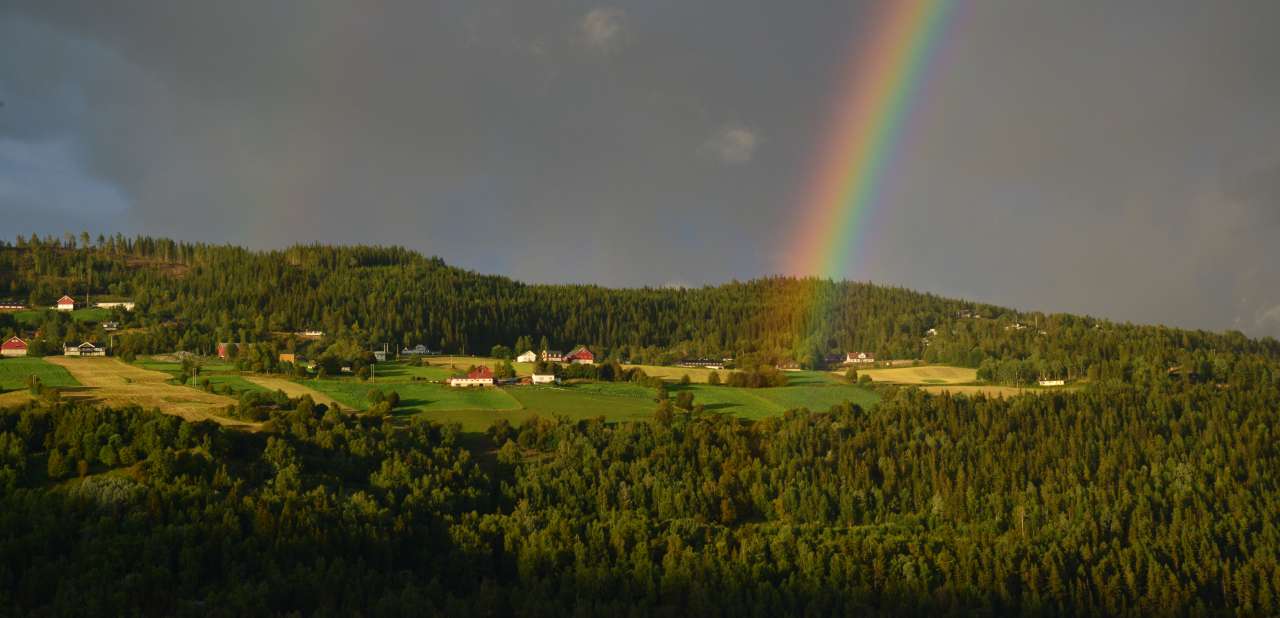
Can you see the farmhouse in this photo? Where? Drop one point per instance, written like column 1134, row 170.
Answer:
column 126, row 305
column 110, row 326
column 480, row 376
column 13, row 347
column 287, row 357
column 545, row 378
column 84, row 349
column 380, row 356
column 788, row 366
column 310, row 334
column 529, row 356
column 580, row 356
column 66, row 303
column 11, row 305
column 859, row 358
column 1052, row 382
column 704, row 363
column 419, row 350
column 553, row 356
column 224, row 350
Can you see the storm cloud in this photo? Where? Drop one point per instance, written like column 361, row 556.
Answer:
column 1116, row 159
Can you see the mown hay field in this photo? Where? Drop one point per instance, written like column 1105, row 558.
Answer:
column 111, row 382
column 926, row 374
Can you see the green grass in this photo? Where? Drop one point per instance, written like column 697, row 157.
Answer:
column 818, row 398
column 174, row 368
column 29, row 317
column 14, row 372
column 416, row 397
column 236, row 384
column 614, row 401
column 475, row 409
column 439, row 370
column 758, row 403
column 33, row 317
column 802, row 378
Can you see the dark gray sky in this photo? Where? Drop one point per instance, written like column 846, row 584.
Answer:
column 1114, row 158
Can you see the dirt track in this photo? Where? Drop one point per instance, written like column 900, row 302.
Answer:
column 111, row 382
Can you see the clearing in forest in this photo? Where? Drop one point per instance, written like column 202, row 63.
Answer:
column 926, row 374
column 111, row 382
column 295, row 389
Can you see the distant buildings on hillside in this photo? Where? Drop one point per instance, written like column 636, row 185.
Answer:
column 701, row 363
column 419, row 350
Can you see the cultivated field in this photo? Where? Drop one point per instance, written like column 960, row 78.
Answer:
column 32, row 317
column 758, row 403
column 696, row 374
column 112, row 382
column 15, row 371
column 293, row 389
column 477, row 408
column 927, row 374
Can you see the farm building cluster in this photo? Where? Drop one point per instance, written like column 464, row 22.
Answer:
column 483, row 376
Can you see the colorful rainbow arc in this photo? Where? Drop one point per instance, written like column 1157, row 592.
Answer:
column 884, row 76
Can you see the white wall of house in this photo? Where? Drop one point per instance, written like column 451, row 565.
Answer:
column 468, row 382
column 527, row 357
column 549, row 378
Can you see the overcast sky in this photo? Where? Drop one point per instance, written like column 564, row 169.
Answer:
column 1120, row 159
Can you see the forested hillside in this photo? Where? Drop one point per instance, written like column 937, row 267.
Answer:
column 1152, row 489
column 191, row 296
column 1109, row 502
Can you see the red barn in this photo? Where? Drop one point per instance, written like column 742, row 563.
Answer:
column 13, row 347
column 66, row 303
column 480, row 376
column 580, row 356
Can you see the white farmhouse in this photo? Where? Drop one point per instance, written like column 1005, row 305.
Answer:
column 529, row 356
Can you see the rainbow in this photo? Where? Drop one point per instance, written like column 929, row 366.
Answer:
column 881, row 82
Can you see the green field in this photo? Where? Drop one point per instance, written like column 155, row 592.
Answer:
column 174, row 368
column 757, row 403
column 477, row 408
column 441, row 368
column 14, row 372
column 236, row 384
column 416, row 397
column 32, row 317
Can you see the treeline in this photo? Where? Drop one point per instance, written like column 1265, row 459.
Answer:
column 1109, row 501
column 192, row 296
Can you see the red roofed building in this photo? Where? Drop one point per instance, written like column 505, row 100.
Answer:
column 13, row 347
column 580, row 356
column 66, row 303
column 480, row 376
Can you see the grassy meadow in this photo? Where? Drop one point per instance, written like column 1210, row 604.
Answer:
column 14, row 373
column 31, row 318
